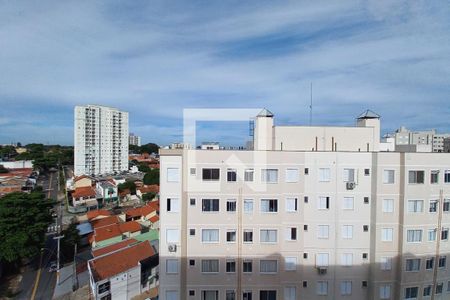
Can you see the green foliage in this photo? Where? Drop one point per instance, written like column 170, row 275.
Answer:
column 128, row 185
column 148, row 196
column 71, row 237
column 24, row 219
column 147, row 148
column 143, row 167
column 152, row 177
column 3, row 169
column 7, row 152
column 47, row 157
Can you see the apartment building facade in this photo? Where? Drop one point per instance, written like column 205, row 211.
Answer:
column 101, row 140
column 311, row 213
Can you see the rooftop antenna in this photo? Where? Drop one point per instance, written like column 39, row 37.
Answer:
column 310, row 108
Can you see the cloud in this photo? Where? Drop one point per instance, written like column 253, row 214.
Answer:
column 153, row 59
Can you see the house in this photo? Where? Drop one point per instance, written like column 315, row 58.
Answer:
column 152, row 188
column 111, row 248
column 85, row 196
column 83, row 181
column 124, row 273
column 105, row 221
column 113, row 233
column 107, row 191
column 17, row 180
column 97, row 214
column 143, row 213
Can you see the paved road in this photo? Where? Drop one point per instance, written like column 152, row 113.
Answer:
column 47, row 280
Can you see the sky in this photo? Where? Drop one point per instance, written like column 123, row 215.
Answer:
column 156, row 58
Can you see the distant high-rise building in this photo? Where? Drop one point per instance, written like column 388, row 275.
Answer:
column 134, row 140
column 101, row 140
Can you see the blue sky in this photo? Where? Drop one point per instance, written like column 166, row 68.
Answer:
column 155, row 58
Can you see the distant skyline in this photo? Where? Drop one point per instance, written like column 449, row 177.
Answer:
column 155, row 58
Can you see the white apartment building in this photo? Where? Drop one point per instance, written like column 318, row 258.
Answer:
column 134, row 140
column 424, row 141
column 101, row 140
column 311, row 213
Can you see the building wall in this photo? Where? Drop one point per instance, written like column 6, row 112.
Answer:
column 126, row 285
column 101, row 140
column 367, row 247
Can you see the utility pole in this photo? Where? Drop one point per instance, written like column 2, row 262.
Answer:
column 75, row 275
column 58, row 238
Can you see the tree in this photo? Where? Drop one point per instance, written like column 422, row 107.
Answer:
column 148, row 196
column 71, row 237
column 149, row 148
column 130, row 185
column 7, row 152
column 152, row 177
column 24, row 219
column 3, row 169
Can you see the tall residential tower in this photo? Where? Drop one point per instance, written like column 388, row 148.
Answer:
column 101, row 140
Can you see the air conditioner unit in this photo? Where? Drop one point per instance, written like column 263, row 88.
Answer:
column 351, row 185
column 322, row 270
column 172, row 248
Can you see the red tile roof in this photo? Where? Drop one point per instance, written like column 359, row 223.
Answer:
column 118, row 262
column 149, row 188
column 154, row 219
column 105, row 221
column 22, row 172
column 84, row 192
column 131, row 226
column 81, row 177
column 113, row 230
column 99, row 212
column 144, row 210
column 113, row 247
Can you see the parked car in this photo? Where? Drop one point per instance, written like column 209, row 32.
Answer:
column 53, row 267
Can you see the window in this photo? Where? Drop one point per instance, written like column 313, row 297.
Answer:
column 322, row 259
column 210, row 204
column 388, row 205
column 366, row 200
column 446, row 207
column 305, row 227
column 305, row 283
column 291, row 204
column 290, row 293
column 249, row 175
column 433, row 206
column 434, row 176
column 305, row 255
column 415, row 206
column 414, row 235
column 268, row 266
column 323, row 231
column 385, row 291
column 210, row 295
column 305, row 199
column 323, row 203
column 324, row 174
column 365, row 255
column 386, row 263
column 230, row 295
column 269, row 205
column 173, row 235
column 444, row 234
column 364, row 283
column 388, row 176
column 291, row 234
column 248, row 206
column 210, row 265
column 231, row 175
column 211, row 174
column 231, row 205
column 429, row 263
column 269, row 175
column 268, row 236
column 192, row 262
column 387, row 234
column 448, row 286
column 192, row 232
column 322, row 288
column 442, row 261
column 231, row 266
column 347, row 259
column 267, row 295
column 247, row 295
column 431, row 234
column 248, row 236
column 247, row 266
column 210, row 235
column 191, row 292
column 413, row 264
column 173, row 175
column 306, row 171
column 104, row 287
column 439, row 288
column 349, row 175
column 347, row 203
column 231, row 236
column 366, row 172
column 192, row 201
column 427, row 290
column 172, row 266
column 346, row 288
column 290, row 263
column 193, row 171
column 347, row 231
column 172, row 295
column 365, row 228
column 411, row 293
column 173, row 205
column 447, row 176
column 291, row 175
column 416, row 177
